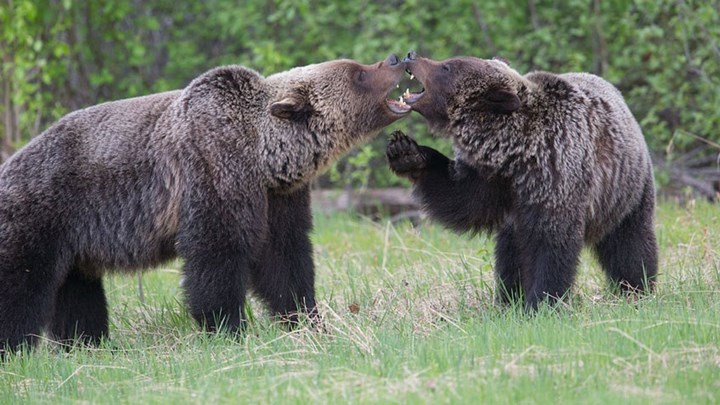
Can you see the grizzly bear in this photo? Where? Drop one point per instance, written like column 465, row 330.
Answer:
column 547, row 162
column 216, row 173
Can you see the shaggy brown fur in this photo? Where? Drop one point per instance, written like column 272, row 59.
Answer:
column 216, row 173
column 548, row 162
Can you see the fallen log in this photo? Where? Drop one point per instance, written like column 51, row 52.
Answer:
column 396, row 202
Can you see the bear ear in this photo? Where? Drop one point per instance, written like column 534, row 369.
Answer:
column 502, row 101
column 289, row 108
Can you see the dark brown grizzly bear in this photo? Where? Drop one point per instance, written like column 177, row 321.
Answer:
column 548, row 162
column 216, row 173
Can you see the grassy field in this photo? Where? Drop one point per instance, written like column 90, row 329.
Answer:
column 410, row 318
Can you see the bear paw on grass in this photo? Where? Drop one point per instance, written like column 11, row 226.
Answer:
column 216, row 173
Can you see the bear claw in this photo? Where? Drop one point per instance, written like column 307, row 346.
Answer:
column 404, row 155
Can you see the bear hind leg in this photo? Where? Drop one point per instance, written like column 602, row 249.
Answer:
column 628, row 254
column 80, row 310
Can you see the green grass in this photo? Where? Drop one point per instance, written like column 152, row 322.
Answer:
column 427, row 331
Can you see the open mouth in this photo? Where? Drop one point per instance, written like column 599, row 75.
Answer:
column 401, row 103
column 398, row 106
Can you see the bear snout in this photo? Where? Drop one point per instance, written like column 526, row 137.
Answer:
column 411, row 56
column 392, row 60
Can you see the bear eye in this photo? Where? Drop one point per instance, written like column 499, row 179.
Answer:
column 360, row 76
column 445, row 67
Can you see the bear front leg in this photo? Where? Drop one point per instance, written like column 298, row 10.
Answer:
column 80, row 310
column 215, row 289
column 550, row 245
column 508, row 267
column 284, row 275
column 219, row 238
column 29, row 272
column 451, row 192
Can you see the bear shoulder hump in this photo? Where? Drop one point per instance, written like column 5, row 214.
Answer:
column 225, row 79
column 552, row 84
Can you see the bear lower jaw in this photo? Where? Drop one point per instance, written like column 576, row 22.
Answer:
column 412, row 98
column 398, row 106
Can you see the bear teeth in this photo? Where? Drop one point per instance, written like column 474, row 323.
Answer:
column 412, row 76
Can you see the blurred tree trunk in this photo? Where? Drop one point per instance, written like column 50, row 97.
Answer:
column 600, row 50
column 485, row 30
column 533, row 15
column 11, row 131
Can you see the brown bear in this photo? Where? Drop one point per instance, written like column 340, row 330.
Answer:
column 548, row 162
column 216, row 173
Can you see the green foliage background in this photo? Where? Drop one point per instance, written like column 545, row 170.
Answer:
column 61, row 55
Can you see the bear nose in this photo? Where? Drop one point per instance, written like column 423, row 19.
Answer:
column 393, row 60
column 411, row 56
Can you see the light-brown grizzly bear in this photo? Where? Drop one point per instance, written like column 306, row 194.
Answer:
column 216, row 173
column 548, row 162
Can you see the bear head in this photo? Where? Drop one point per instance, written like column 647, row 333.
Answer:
column 340, row 96
column 316, row 113
column 463, row 89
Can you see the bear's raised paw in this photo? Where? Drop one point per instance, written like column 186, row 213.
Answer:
column 405, row 156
